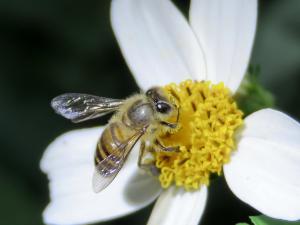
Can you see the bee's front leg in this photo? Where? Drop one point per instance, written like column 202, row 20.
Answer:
column 172, row 125
column 164, row 148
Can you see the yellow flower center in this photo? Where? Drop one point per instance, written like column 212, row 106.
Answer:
column 208, row 120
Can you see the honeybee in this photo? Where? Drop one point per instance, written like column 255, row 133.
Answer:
column 139, row 117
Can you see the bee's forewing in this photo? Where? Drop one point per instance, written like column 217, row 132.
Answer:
column 80, row 107
column 106, row 170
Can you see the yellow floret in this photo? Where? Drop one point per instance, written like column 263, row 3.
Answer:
column 208, row 120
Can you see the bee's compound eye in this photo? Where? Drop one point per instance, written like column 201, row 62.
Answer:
column 163, row 107
column 149, row 92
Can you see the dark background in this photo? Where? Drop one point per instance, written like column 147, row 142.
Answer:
column 54, row 46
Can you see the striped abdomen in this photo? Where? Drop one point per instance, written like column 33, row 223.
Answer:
column 112, row 146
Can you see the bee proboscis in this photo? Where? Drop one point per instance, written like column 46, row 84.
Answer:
column 139, row 117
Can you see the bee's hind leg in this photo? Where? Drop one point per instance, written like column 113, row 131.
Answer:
column 147, row 166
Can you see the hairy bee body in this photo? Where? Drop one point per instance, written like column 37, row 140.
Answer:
column 134, row 115
column 138, row 117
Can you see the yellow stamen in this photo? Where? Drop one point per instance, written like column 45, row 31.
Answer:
column 208, row 120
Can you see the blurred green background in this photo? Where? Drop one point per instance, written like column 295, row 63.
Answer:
column 54, row 46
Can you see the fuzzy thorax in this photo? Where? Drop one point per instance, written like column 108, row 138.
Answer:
column 208, row 120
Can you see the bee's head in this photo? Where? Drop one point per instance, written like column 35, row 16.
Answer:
column 159, row 101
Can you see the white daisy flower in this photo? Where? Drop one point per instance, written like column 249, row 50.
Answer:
column 162, row 48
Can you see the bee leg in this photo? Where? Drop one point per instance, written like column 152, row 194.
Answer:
column 149, row 167
column 141, row 154
column 172, row 125
column 166, row 149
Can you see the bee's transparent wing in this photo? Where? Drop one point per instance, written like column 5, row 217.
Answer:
column 80, row 107
column 106, row 171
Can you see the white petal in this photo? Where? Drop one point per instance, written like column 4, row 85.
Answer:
column 157, row 42
column 176, row 206
column 265, row 170
column 226, row 32
column 68, row 161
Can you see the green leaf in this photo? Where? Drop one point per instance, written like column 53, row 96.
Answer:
column 242, row 224
column 264, row 220
column 251, row 95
